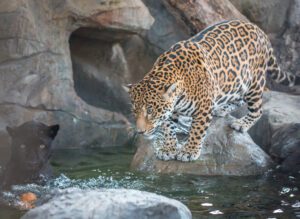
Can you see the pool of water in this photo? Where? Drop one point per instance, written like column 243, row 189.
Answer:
column 270, row 196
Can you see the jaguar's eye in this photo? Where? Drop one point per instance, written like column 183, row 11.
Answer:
column 22, row 146
column 149, row 110
column 42, row 146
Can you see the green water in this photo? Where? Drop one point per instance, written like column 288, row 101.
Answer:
column 234, row 197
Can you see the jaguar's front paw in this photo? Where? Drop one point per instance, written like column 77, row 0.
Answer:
column 239, row 126
column 188, row 155
column 219, row 113
column 166, row 153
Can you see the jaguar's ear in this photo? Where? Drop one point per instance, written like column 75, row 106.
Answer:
column 170, row 91
column 127, row 87
column 52, row 131
column 11, row 131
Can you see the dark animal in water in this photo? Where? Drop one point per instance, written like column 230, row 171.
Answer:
column 30, row 153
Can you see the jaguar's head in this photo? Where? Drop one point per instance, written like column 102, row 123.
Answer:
column 152, row 103
column 31, row 145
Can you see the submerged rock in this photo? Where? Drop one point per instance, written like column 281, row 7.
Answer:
column 225, row 152
column 109, row 204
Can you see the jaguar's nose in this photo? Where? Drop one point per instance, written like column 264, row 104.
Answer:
column 140, row 131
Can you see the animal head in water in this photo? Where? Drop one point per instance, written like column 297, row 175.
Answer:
column 31, row 144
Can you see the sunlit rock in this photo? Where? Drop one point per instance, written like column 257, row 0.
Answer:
column 109, row 204
column 225, row 152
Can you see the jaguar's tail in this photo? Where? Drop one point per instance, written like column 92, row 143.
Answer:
column 281, row 77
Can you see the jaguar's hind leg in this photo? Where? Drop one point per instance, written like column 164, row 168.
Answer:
column 225, row 109
column 254, row 101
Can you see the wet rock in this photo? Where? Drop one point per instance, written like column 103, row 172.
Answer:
column 110, row 204
column 36, row 69
column 225, row 152
column 285, row 147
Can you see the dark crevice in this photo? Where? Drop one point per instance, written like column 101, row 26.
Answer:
column 99, row 69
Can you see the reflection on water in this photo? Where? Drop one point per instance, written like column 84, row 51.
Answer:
column 269, row 196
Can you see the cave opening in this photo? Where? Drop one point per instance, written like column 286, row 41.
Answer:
column 100, row 68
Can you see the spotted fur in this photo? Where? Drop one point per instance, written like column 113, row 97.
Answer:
column 209, row 74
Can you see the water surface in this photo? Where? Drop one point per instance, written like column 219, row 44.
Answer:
column 270, row 196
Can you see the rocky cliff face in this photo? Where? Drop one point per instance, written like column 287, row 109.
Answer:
column 36, row 69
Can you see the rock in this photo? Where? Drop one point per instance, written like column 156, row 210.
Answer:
column 225, row 152
column 166, row 30
column 197, row 15
column 36, row 70
column 278, row 109
column 100, row 68
column 255, row 11
column 109, row 204
column 285, row 147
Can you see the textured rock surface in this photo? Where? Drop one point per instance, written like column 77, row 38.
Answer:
column 278, row 109
column 166, row 30
column 255, row 10
column 109, row 204
column 36, row 70
column 225, row 152
column 199, row 14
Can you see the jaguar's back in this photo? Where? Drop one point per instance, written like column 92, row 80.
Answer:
column 239, row 51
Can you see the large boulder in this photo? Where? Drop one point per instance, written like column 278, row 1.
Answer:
column 278, row 130
column 36, row 69
column 225, row 152
column 109, row 204
column 279, row 109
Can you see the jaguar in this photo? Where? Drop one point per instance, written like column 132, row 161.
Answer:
column 210, row 74
column 31, row 149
